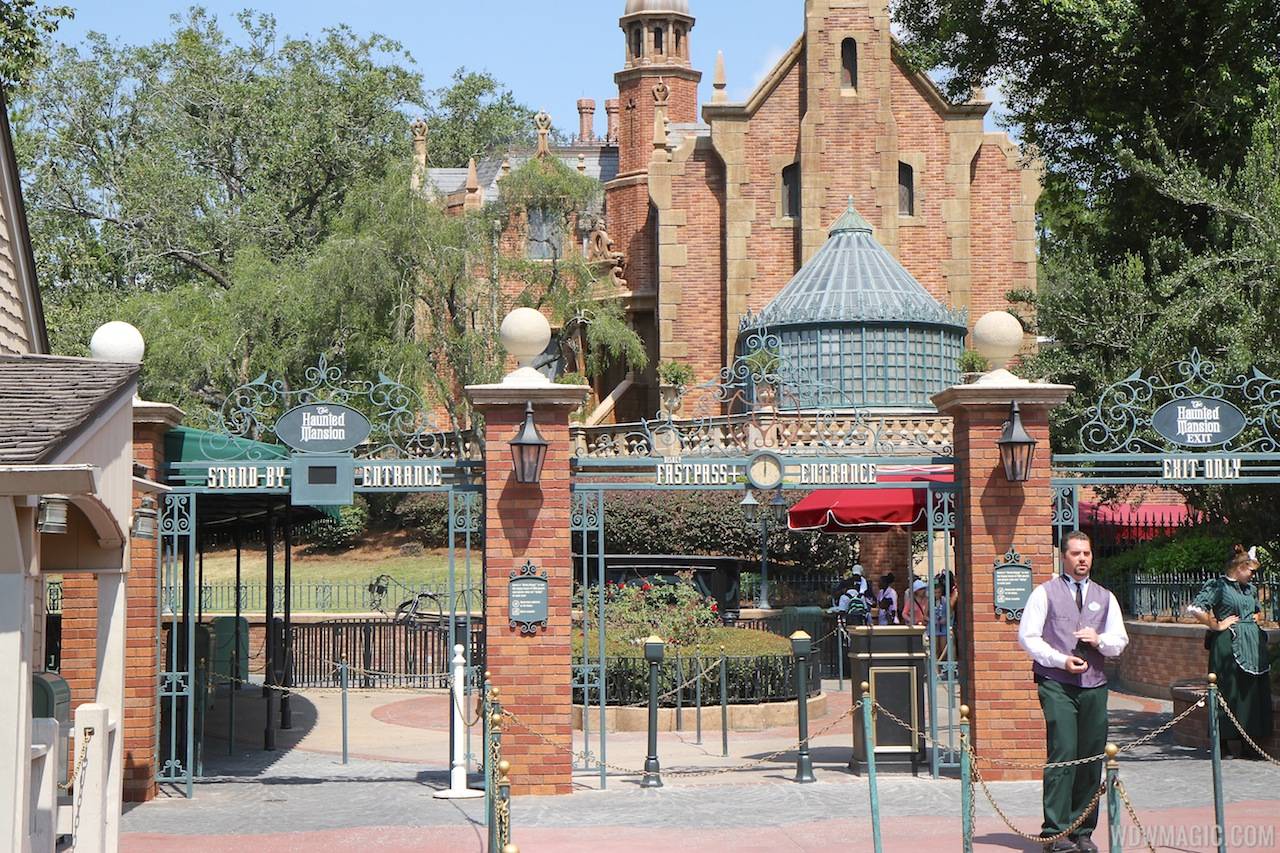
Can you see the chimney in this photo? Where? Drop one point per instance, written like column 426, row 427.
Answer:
column 611, row 108
column 586, row 120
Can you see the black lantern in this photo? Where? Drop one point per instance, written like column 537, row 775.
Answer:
column 778, row 508
column 528, row 450
column 750, row 508
column 144, row 519
column 1017, row 447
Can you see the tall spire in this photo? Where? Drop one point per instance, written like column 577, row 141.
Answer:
column 720, row 84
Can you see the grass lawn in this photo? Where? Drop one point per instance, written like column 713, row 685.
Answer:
column 359, row 565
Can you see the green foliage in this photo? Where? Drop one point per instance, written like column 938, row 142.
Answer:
column 711, row 524
column 1082, row 78
column 971, row 361
column 762, row 362
column 473, row 116
column 427, row 517
column 675, row 373
column 676, row 612
column 25, row 29
column 571, row 379
column 593, row 327
column 736, row 641
column 341, row 534
column 152, row 167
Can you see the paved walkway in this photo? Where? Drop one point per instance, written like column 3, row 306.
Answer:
column 304, row 799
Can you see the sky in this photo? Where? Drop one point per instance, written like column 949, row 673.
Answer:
column 549, row 53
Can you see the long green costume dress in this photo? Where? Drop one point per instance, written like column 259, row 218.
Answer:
column 1239, row 655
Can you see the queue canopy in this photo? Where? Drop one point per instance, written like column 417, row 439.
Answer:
column 872, row 510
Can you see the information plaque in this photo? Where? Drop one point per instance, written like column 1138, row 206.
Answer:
column 1013, row 584
column 527, row 598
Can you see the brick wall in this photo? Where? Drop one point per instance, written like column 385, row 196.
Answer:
column 999, row 515
column 533, row 672
column 1161, row 653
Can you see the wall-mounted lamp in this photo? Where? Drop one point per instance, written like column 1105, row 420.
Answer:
column 1017, row 447
column 528, row 450
column 51, row 515
column 144, row 519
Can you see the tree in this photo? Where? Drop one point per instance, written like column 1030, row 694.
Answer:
column 1082, row 79
column 24, row 32
column 1218, row 293
column 154, row 166
column 473, row 116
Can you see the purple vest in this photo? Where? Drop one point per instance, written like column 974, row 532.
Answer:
column 1063, row 620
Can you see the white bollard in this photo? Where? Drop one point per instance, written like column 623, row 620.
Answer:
column 89, row 812
column 458, row 789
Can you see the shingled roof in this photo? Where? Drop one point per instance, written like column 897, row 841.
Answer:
column 45, row 402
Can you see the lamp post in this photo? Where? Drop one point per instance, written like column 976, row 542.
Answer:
column 775, row 516
column 1017, row 447
column 653, row 648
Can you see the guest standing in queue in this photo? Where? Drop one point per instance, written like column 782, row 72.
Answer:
column 887, row 600
column 1070, row 625
column 1228, row 607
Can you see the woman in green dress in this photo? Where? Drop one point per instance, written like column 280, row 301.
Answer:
column 1228, row 606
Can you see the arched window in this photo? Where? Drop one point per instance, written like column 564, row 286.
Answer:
column 791, row 191
column 659, row 35
column 849, row 64
column 679, row 41
column 906, row 190
column 637, row 41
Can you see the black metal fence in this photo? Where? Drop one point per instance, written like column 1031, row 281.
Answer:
column 1167, row 595
column 752, row 680
column 381, row 653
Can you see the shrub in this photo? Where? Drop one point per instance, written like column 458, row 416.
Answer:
column 675, row 612
column 971, row 361
column 342, row 533
column 675, row 373
column 427, row 516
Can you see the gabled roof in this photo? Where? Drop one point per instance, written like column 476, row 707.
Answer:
column 47, row 401
column 853, row 279
column 22, row 328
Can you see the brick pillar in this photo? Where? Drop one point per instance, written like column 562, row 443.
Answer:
column 886, row 552
column 533, row 672
column 996, row 516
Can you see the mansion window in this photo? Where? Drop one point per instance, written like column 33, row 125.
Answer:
column 637, row 42
column 659, row 34
column 791, row 191
column 849, row 64
column 544, row 235
column 906, row 190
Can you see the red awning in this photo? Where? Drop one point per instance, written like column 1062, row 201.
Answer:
column 1124, row 515
column 872, row 509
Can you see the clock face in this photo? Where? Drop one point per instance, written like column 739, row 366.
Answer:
column 764, row 471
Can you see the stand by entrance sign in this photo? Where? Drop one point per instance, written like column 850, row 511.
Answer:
column 323, row 428
column 527, row 599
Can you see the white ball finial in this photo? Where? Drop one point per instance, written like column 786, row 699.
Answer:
column 117, row 341
column 997, row 337
column 525, row 333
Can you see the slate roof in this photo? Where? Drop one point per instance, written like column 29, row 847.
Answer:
column 601, row 162
column 46, row 401
column 853, row 279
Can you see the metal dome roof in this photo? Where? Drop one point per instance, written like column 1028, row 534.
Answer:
column 637, row 7
column 853, row 279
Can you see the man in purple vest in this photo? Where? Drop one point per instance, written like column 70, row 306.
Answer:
column 1069, row 626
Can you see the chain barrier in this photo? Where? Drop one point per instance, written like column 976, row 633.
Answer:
column 77, row 784
column 1040, row 839
column 1243, row 734
column 690, row 774
column 1133, row 816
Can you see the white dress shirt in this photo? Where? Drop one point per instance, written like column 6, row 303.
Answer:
column 1111, row 641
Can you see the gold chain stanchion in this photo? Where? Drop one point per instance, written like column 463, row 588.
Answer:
column 1243, row 734
column 628, row 771
column 1133, row 816
column 78, row 784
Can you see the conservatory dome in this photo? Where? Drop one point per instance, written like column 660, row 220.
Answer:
column 854, row 329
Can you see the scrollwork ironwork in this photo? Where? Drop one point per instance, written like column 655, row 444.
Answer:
column 402, row 425
column 1120, row 421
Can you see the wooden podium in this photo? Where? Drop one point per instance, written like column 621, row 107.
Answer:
column 893, row 660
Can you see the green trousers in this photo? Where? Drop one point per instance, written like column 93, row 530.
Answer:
column 1075, row 726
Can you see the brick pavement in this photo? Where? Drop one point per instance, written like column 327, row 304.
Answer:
column 305, row 800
